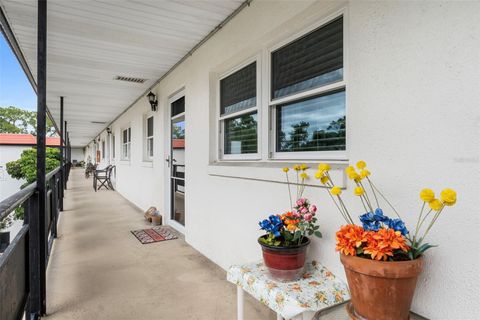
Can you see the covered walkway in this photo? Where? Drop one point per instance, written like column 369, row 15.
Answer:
column 99, row 270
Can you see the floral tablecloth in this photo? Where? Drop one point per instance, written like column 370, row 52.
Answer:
column 317, row 290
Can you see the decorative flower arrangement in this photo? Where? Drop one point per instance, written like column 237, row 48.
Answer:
column 380, row 237
column 290, row 228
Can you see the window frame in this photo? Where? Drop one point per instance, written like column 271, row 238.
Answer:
column 103, row 148
column 220, row 119
column 113, row 146
column 127, row 144
column 146, row 137
column 309, row 93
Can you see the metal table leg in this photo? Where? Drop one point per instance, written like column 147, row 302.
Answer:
column 240, row 300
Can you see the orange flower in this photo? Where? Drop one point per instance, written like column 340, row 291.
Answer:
column 382, row 243
column 349, row 238
column 291, row 227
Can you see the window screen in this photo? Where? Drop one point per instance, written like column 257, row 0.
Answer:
column 314, row 124
column 150, row 127
column 238, row 91
column 311, row 61
column 241, row 134
column 178, row 106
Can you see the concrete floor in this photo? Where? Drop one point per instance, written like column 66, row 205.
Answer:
column 98, row 270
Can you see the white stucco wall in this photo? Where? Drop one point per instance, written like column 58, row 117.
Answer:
column 9, row 185
column 78, row 154
column 412, row 72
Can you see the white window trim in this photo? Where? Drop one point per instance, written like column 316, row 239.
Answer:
column 220, row 120
column 146, row 154
column 272, row 103
column 125, row 144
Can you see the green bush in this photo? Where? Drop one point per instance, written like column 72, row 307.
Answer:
column 26, row 168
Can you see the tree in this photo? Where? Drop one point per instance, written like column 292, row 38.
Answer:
column 16, row 120
column 26, row 168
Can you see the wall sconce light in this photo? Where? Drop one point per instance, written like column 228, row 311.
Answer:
column 152, row 98
column 109, row 131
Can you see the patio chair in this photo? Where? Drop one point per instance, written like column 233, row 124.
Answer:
column 102, row 176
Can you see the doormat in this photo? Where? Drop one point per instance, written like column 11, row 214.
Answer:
column 155, row 234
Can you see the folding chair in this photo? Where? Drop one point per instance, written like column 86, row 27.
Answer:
column 102, row 177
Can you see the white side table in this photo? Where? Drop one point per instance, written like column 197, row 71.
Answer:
column 319, row 289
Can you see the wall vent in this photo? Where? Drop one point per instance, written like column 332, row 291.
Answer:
column 130, row 79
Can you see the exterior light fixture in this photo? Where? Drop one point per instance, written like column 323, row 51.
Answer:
column 152, row 98
column 109, row 131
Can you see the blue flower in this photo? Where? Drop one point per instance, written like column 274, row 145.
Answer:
column 272, row 225
column 373, row 221
column 398, row 225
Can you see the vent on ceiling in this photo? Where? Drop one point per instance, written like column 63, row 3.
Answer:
column 99, row 122
column 130, row 79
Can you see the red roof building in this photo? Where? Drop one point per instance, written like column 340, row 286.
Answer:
column 25, row 140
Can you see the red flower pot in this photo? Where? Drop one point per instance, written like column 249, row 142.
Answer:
column 285, row 263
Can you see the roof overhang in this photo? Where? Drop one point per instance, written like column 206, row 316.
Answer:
column 90, row 43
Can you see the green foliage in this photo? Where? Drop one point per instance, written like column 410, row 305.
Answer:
column 26, row 166
column 5, row 223
column 16, row 120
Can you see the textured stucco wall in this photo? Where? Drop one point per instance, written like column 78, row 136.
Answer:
column 413, row 115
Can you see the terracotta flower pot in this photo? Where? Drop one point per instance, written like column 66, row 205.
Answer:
column 381, row 290
column 285, row 263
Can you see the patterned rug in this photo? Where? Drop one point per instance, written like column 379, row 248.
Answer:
column 155, row 234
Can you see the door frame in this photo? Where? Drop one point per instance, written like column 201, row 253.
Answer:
column 168, row 194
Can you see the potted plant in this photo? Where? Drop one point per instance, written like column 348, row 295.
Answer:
column 381, row 257
column 285, row 244
column 4, row 234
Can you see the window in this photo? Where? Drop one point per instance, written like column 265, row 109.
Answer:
column 126, row 141
column 308, row 94
column 149, row 138
column 238, row 113
column 113, row 146
column 103, row 149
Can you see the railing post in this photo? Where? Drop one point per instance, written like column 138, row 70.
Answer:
column 55, row 195
column 62, row 170
column 38, row 237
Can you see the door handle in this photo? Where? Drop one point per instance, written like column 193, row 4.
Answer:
column 167, row 159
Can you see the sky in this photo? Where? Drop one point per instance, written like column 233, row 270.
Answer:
column 15, row 89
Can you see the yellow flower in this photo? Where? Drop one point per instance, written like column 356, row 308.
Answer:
column 318, row 175
column 303, row 175
column 427, row 195
column 324, row 179
column 296, row 167
column 364, row 173
column 324, row 167
column 358, row 191
column 435, row 204
column 349, row 169
column 285, row 169
column 353, row 175
column 448, row 196
column 361, row 164
column 336, row 191
column 303, row 167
